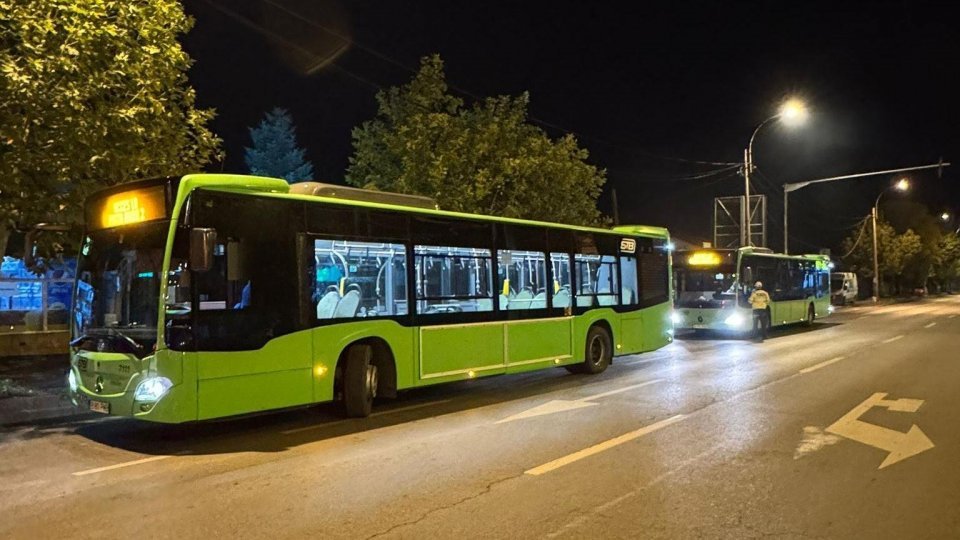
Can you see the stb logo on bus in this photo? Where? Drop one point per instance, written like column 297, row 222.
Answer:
column 628, row 245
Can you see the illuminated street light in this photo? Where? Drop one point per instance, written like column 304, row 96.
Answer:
column 793, row 112
column 901, row 185
column 945, row 216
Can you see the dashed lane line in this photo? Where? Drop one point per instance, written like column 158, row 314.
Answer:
column 825, row 363
column 605, row 445
column 930, row 325
column 120, row 465
column 891, row 340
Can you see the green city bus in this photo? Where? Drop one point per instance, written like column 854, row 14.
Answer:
column 214, row 295
column 712, row 287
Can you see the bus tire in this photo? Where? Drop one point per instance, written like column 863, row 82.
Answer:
column 359, row 381
column 811, row 315
column 598, row 350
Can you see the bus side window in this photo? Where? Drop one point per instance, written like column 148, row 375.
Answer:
column 353, row 279
column 453, row 279
column 561, row 289
column 628, row 274
column 523, row 279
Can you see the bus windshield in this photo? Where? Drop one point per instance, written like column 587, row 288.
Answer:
column 118, row 283
column 705, row 288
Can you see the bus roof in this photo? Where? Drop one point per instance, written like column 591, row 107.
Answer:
column 278, row 188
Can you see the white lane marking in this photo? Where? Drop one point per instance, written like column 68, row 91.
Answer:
column 822, row 364
column 814, row 439
column 931, row 325
column 605, row 445
column 120, row 465
column 374, row 415
column 899, row 445
column 592, row 513
column 891, row 340
column 951, row 316
column 619, row 390
column 562, row 405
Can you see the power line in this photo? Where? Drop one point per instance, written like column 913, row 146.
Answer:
column 863, row 227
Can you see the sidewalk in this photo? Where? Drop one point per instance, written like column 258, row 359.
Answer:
column 33, row 388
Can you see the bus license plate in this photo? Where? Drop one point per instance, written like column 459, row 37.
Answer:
column 100, row 406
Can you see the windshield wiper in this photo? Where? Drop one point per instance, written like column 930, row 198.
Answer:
column 127, row 338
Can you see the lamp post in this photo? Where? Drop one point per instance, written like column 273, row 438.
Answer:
column 901, row 185
column 792, row 112
column 787, row 188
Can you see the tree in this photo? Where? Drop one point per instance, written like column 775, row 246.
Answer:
column 275, row 152
column 485, row 158
column 93, row 93
column 946, row 266
column 896, row 253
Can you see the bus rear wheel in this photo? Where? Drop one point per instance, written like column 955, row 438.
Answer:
column 359, row 381
column 598, row 353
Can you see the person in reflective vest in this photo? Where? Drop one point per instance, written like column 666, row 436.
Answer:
column 760, row 302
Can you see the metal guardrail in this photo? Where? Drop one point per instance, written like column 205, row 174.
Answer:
column 35, row 304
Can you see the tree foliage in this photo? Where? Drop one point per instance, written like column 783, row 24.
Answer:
column 275, row 152
column 93, row 93
column 919, row 256
column 485, row 158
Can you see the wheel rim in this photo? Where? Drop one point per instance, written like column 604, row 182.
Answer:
column 596, row 351
column 371, row 382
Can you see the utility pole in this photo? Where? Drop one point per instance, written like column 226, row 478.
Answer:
column 876, row 265
column 616, row 207
column 745, row 239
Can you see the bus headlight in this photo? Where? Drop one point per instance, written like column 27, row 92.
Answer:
column 152, row 389
column 72, row 381
column 735, row 320
column 830, row 309
column 675, row 318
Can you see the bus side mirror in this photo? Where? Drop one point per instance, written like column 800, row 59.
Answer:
column 202, row 243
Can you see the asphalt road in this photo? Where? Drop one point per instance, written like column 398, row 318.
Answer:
column 848, row 429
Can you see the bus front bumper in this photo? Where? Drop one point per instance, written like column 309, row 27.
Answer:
column 720, row 320
column 99, row 382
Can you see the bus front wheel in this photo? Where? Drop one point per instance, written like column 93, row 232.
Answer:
column 598, row 353
column 359, row 381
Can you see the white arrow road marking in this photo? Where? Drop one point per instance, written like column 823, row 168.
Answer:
column 900, row 445
column 561, row 405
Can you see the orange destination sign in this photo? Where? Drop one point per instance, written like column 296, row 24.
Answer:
column 133, row 207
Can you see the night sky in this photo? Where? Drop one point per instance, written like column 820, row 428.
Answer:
column 649, row 90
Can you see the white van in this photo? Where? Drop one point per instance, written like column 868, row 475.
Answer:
column 843, row 288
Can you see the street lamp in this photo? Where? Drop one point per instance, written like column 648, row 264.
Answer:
column 793, row 186
column 792, row 112
column 901, row 185
column 945, row 216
